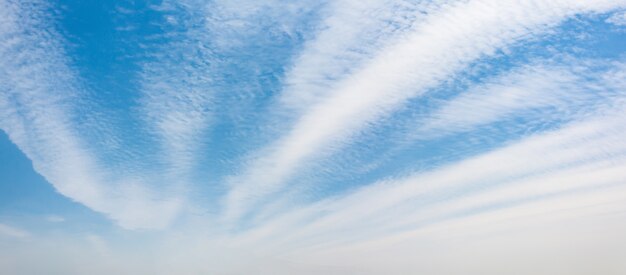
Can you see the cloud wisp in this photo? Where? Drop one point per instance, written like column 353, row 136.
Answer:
column 573, row 173
column 436, row 49
column 13, row 232
column 38, row 95
column 326, row 137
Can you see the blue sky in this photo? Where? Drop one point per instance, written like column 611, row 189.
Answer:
column 312, row 137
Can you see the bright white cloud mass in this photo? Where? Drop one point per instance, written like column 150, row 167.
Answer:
column 313, row 137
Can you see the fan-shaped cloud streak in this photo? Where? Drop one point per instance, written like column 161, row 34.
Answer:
column 333, row 137
column 442, row 45
column 39, row 89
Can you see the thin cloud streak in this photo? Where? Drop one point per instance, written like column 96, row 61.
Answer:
column 584, row 157
column 176, row 92
column 13, row 232
column 590, row 148
column 439, row 47
column 521, row 163
column 350, row 34
column 527, row 90
column 37, row 93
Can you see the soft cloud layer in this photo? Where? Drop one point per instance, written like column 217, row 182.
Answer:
column 328, row 137
column 618, row 19
column 443, row 44
column 38, row 95
column 8, row 231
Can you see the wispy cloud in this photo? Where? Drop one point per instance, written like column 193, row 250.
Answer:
column 542, row 93
column 10, row 231
column 176, row 87
column 618, row 19
column 54, row 218
column 333, row 137
column 578, row 166
column 444, row 43
column 38, row 92
column 351, row 32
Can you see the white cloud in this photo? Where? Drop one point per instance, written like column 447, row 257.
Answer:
column 618, row 19
column 531, row 205
column 176, row 90
column 574, row 232
column 350, row 33
column 180, row 84
column 437, row 48
column 586, row 157
column 38, row 89
column 10, row 231
column 55, row 218
column 537, row 197
column 526, row 90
